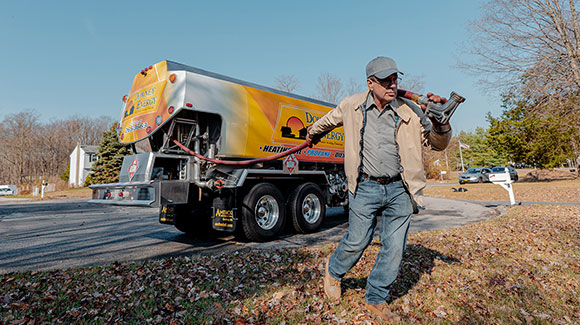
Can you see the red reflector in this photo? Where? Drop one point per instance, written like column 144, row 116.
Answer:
column 189, row 105
column 120, row 194
column 125, row 98
column 172, row 78
column 170, row 109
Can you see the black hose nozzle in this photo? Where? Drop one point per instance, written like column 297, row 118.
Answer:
column 435, row 111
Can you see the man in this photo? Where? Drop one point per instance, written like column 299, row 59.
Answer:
column 383, row 163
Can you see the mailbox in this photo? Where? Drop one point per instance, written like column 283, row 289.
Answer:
column 504, row 177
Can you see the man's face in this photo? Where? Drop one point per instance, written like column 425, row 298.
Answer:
column 385, row 90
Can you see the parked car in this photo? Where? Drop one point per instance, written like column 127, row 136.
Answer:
column 501, row 170
column 7, row 190
column 475, row 175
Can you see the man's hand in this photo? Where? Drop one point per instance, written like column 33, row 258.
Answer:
column 314, row 139
column 438, row 100
column 434, row 98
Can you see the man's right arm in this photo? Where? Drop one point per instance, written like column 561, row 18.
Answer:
column 325, row 124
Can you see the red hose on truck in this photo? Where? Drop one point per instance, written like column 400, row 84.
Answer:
column 244, row 162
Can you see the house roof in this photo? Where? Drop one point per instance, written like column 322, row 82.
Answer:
column 90, row 149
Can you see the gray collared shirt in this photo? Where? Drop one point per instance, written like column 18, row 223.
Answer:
column 380, row 156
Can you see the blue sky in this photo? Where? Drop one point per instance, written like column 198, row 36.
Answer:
column 67, row 58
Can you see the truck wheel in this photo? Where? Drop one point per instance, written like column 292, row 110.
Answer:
column 307, row 208
column 263, row 213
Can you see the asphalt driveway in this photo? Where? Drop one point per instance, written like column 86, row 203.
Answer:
column 41, row 235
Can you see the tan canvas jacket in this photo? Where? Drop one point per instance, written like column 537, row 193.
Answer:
column 414, row 130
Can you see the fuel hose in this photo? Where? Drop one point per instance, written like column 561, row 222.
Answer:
column 243, row 162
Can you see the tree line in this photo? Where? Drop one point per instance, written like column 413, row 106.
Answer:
column 31, row 151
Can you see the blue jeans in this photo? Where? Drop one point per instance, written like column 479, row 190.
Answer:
column 393, row 203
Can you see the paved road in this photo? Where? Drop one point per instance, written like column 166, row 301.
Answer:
column 44, row 235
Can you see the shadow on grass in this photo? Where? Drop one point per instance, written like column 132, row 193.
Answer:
column 417, row 261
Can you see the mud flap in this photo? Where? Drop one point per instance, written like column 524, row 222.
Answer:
column 167, row 214
column 224, row 216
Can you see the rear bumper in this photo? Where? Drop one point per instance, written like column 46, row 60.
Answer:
column 467, row 180
column 131, row 193
column 149, row 193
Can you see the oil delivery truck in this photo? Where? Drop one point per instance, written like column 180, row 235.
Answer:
column 224, row 152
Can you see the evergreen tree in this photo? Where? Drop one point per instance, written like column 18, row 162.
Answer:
column 111, row 153
column 65, row 175
column 531, row 136
column 480, row 153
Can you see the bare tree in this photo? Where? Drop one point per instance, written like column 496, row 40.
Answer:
column 19, row 146
column 85, row 130
column 329, row 88
column 287, row 83
column 354, row 86
column 30, row 150
column 415, row 84
column 534, row 43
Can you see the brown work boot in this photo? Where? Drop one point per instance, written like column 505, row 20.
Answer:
column 383, row 312
column 331, row 286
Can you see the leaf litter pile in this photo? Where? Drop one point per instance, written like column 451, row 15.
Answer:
column 520, row 267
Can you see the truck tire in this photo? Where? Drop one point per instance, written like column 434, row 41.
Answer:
column 263, row 212
column 307, row 208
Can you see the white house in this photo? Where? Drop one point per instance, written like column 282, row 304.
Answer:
column 81, row 161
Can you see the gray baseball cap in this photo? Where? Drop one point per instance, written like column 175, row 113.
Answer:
column 382, row 67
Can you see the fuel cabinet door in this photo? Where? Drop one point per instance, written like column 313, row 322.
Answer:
column 224, row 216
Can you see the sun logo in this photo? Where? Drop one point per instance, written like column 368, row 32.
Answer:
column 294, row 129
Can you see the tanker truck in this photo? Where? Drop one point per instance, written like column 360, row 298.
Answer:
column 213, row 150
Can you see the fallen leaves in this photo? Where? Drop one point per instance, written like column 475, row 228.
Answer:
column 521, row 267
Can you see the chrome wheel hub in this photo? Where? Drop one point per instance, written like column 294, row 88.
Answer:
column 267, row 212
column 311, row 208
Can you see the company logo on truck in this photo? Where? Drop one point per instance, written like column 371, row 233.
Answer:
column 294, row 128
column 144, row 101
column 145, row 110
column 293, row 122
